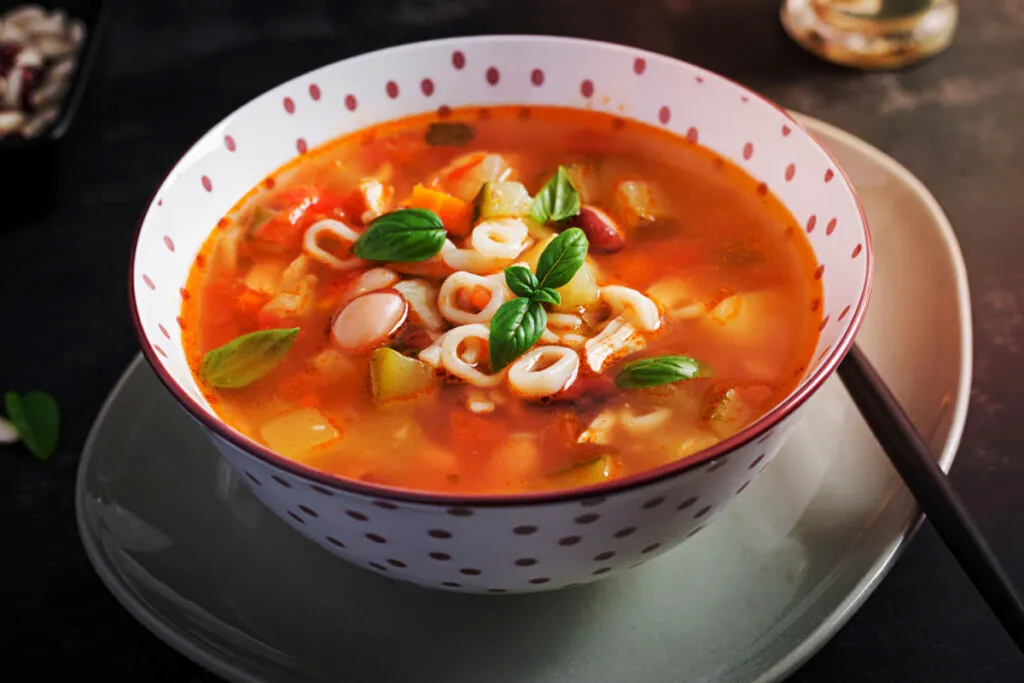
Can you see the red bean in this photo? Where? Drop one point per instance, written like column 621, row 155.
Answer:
column 602, row 232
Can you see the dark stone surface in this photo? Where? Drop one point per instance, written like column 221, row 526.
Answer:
column 169, row 70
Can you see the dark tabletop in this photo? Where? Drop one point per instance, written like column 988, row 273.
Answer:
column 169, row 70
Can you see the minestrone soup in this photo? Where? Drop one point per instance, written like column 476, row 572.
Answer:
column 500, row 301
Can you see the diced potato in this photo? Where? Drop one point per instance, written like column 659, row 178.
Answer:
column 333, row 365
column 751, row 317
column 635, row 203
column 696, row 444
column 676, row 299
column 601, row 468
column 727, row 413
column 518, row 459
column 264, row 276
column 299, row 432
column 394, row 377
column 501, row 199
column 580, row 292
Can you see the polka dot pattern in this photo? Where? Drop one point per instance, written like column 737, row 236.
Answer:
column 507, row 548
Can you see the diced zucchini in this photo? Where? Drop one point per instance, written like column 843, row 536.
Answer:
column 298, row 432
column 593, row 471
column 580, row 292
column 727, row 413
column 501, row 199
column 395, row 377
column 635, row 203
column 259, row 217
column 585, row 177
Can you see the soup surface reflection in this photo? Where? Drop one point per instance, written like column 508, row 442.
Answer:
column 499, row 302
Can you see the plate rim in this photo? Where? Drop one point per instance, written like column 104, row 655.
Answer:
column 825, row 630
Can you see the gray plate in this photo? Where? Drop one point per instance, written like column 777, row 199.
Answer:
column 192, row 555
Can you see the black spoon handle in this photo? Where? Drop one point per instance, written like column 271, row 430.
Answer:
column 933, row 491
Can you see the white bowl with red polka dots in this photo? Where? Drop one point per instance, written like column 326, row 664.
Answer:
column 512, row 543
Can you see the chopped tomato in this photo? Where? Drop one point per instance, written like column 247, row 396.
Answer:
column 297, row 209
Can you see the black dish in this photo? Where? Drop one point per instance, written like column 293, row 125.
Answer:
column 28, row 165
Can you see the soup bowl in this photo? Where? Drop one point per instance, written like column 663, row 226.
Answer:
column 530, row 541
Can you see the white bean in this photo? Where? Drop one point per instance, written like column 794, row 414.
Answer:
column 543, row 371
column 369, row 320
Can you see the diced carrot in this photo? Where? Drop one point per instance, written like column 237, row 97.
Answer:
column 480, row 297
column 474, row 433
column 250, row 301
column 456, row 214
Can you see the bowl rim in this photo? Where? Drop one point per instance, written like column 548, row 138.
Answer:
column 752, row 432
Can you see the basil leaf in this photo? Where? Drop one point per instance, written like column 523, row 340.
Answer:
column 562, row 258
column 246, row 359
column 546, row 295
column 515, row 327
column 449, row 134
column 403, row 235
column 652, row 372
column 36, row 418
column 521, row 281
column 557, row 201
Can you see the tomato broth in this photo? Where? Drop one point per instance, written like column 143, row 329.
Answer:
column 504, row 300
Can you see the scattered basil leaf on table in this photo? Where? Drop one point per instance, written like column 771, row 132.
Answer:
column 36, row 418
column 521, row 281
column 405, row 235
column 246, row 359
column 557, row 201
column 652, row 372
column 563, row 256
column 515, row 327
column 449, row 134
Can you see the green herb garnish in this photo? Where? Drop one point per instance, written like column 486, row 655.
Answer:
column 36, row 418
column 652, row 372
column 519, row 323
column 403, row 235
column 246, row 359
column 449, row 134
column 546, row 295
column 562, row 258
column 557, row 201
column 521, row 281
